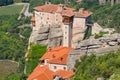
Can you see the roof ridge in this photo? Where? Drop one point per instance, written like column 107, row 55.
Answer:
column 46, row 74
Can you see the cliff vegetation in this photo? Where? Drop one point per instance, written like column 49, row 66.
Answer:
column 91, row 67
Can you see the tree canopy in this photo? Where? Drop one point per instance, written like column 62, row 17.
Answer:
column 6, row 2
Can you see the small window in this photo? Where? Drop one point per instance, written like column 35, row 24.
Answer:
column 64, row 68
column 55, row 67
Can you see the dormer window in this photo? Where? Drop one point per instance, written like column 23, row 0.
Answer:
column 64, row 68
column 61, row 58
column 55, row 67
column 53, row 56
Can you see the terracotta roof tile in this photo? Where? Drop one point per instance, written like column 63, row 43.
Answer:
column 41, row 73
column 84, row 14
column 64, row 74
column 47, row 8
column 59, row 60
column 57, row 55
column 44, row 73
column 68, row 13
column 51, row 8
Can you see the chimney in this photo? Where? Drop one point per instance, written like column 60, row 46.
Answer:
column 61, row 7
column 61, row 59
column 47, row 2
column 81, row 10
column 53, row 56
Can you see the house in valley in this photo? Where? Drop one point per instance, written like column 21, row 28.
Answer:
column 53, row 65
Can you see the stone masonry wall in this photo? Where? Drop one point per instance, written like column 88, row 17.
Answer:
column 49, row 36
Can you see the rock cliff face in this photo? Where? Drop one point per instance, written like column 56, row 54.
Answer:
column 78, row 35
column 94, row 46
column 53, row 36
column 49, row 36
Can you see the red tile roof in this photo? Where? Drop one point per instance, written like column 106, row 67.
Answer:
column 47, row 8
column 51, row 8
column 68, row 13
column 44, row 73
column 59, row 60
column 83, row 14
column 41, row 73
column 64, row 74
column 57, row 55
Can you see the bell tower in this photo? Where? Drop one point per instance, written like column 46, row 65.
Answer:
column 67, row 30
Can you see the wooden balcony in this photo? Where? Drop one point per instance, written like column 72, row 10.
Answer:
column 67, row 19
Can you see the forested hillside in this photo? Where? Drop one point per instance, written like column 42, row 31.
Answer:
column 13, row 40
column 105, row 15
column 6, row 2
column 12, row 46
column 92, row 67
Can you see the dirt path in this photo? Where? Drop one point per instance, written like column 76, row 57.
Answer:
column 24, row 11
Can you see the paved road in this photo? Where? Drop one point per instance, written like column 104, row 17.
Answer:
column 27, row 13
column 25, row 10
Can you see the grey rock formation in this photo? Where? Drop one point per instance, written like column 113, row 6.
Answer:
column 49, row 36
column 42, row 37
column 54, row 42
column 100, row 78
column 118, row 41
column 43, row 30
column 98, row 47
column 55, row 32
column 43, row 42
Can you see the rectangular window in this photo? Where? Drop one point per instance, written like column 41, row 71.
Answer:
column 64, row 68
column 55, row 67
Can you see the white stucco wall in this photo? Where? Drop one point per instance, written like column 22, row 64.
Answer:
column 58, row 66
column 67, row 35
column 79, row 22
